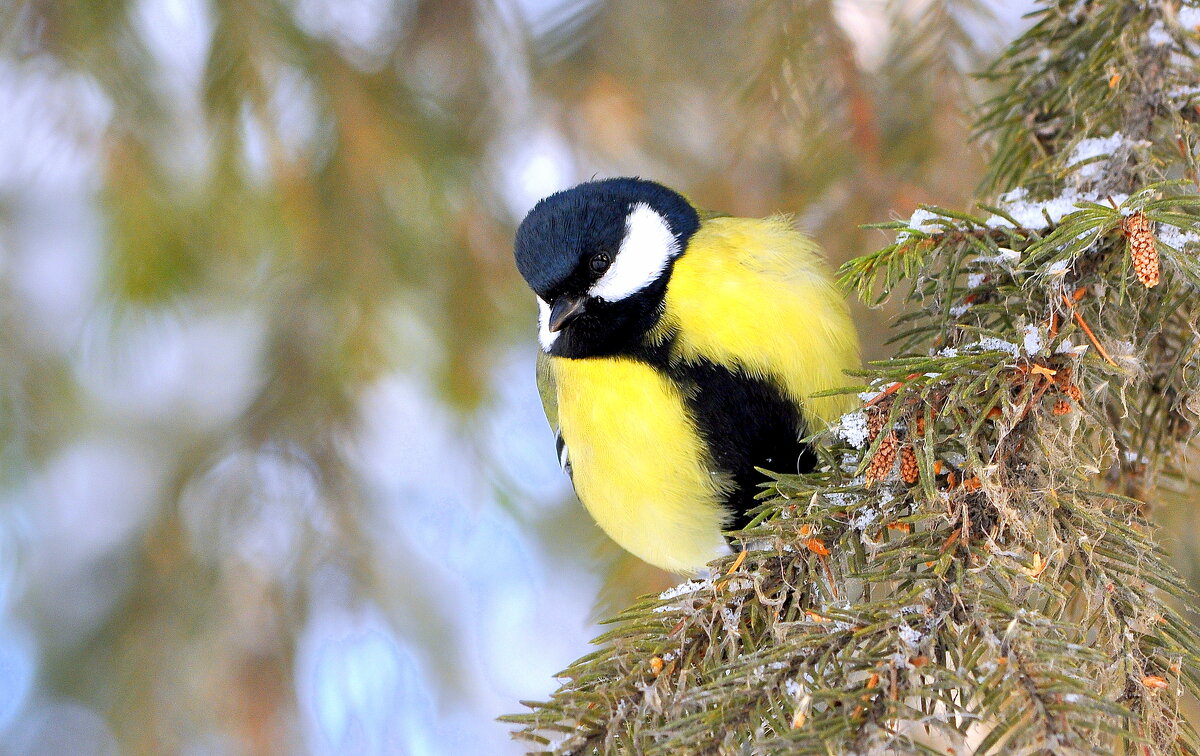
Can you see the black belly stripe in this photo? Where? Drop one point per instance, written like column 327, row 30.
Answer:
column 745, row 421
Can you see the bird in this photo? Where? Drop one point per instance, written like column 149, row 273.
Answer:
column 680, row 352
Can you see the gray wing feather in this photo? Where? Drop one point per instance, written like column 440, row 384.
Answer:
column 549, row 395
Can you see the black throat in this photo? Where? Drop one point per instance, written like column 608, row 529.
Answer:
column 614, row 329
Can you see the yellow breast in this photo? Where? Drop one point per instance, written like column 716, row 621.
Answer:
column 637, row 462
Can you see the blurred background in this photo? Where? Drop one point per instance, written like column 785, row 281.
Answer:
column 274, row 476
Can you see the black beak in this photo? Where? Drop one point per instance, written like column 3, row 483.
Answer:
column 564, row 310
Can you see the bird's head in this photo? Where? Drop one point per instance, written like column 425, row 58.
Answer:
column 598, row 256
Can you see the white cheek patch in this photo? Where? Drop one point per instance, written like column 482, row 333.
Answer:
column 545, row 336
column 645, row 251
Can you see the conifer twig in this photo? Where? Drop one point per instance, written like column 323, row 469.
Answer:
column 1091, row 336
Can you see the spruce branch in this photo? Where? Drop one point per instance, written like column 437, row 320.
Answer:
column 971, row 567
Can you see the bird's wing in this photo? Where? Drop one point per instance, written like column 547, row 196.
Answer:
column 546, row 389
column 549, row 395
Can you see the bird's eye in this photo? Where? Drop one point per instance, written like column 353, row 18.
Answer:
column 600, row 262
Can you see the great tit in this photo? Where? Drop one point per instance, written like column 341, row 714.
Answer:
column 680, row 350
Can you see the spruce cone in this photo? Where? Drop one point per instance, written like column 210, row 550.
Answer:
column 1142, row 248
column 881, row 464
column 876, row 417
column 908, row 464
column 1073, row 391
column 1062, row 379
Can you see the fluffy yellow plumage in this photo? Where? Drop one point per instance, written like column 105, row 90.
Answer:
column 648, row 485
column 754, row 294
